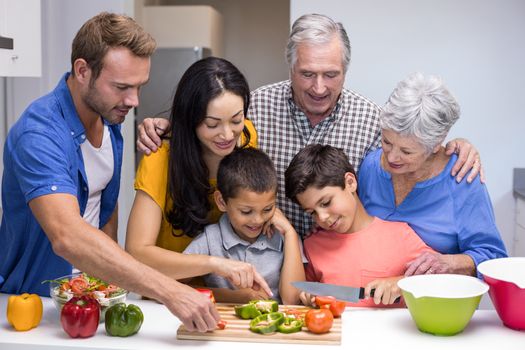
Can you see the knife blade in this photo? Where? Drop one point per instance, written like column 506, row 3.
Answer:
column 345, row 293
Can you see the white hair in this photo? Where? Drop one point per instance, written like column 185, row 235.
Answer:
column 421, row 107
column 316, row 29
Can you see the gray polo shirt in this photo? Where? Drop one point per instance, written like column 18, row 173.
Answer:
column 220, row 240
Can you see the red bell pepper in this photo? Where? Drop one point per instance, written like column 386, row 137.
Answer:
column 206, row 292
column 222, row 324
column 80, row 316
column 209, row 294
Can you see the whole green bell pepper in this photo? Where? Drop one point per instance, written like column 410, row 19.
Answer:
column 247, row 311
column 122, row 320
column 290, row 325
column 266, row 323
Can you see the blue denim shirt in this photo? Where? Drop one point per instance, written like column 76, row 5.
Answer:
column 450, row 217
column 42, row 156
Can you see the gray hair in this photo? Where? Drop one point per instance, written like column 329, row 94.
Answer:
column 316, row 29
column 421, row 107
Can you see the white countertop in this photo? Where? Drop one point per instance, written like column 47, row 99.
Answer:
column 363, row 329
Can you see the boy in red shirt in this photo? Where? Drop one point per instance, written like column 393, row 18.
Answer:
column 349, row 247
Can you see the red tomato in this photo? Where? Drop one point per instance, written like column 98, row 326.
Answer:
column 320, row 301
column 78, row 285
column 335, row 306
column 319, row 320
column 221, row 324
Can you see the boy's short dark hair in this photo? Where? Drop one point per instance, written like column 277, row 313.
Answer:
column 318, row 166
column 246, row 168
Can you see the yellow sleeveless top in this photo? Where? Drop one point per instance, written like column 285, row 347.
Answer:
column 152, row 178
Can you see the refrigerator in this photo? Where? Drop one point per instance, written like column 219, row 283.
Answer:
column 167, row 67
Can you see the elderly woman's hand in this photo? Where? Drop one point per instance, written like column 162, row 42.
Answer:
column 428, row 263
column 468, row 160
column 431, row 263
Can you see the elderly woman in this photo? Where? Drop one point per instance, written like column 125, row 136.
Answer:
column 408, row 179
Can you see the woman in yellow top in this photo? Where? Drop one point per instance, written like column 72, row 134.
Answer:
column 175, row 185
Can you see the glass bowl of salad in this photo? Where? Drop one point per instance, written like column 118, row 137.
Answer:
column 64, row 288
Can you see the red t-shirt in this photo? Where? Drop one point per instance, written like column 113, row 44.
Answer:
column 381, row 250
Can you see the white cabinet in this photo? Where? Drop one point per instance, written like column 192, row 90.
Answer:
column 20, row 29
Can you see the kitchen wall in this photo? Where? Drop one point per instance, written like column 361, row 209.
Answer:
column 255, row 35
column 477, row 46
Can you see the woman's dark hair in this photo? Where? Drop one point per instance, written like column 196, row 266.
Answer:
column 246, row 168
column 316, row 166
column 188, row 175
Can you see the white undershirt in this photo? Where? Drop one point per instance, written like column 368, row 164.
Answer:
column 99, row 166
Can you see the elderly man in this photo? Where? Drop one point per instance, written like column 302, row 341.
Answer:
column 313, row 107
column 62, row 163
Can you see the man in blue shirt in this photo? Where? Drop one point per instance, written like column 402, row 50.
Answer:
column 62, row 162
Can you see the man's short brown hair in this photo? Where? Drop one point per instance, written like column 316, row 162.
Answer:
column 105, row 31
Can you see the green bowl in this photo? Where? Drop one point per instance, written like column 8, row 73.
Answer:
column 442, row 304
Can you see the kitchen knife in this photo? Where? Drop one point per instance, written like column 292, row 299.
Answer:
column 350, row 294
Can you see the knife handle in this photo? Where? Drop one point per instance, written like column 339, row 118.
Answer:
column 362, row 295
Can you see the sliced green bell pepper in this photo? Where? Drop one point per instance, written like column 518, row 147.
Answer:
column 247, row 311
column 266, row 323
column 266, row 306
column 290, row 325
column 122, row 320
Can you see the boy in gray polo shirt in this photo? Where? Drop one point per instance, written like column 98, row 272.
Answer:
column 251, row 229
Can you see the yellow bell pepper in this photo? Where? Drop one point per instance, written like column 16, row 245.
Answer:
column 24, row 312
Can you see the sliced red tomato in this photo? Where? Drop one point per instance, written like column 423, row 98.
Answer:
column 78, row 285
column 336, row 307
column 319, row 320
column 327, row 300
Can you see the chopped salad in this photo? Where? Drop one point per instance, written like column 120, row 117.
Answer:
column 83, row 284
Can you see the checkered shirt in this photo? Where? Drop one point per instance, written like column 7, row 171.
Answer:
column 283, row 130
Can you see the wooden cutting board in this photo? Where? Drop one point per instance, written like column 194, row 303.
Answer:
column 238, row 330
